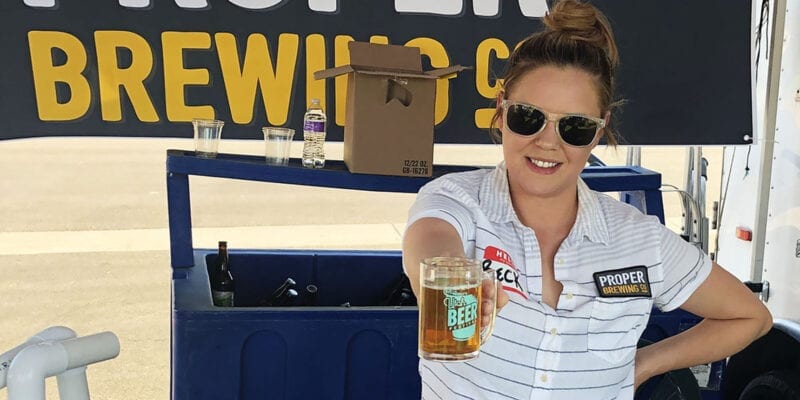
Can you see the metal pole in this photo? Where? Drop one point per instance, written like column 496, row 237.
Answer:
column 688, row 185
column 700, row 221
column 768, row 141
column 634, row 156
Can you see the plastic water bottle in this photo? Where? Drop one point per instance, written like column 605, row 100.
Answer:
column 314, row 122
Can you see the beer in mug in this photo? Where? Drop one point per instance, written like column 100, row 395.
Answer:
column 453, row 292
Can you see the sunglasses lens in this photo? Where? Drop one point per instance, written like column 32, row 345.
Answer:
column 576, row 130
column 524, row 120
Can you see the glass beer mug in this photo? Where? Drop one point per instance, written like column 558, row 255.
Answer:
column 455, row 293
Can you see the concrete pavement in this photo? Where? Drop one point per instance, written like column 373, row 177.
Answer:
column 84, row 242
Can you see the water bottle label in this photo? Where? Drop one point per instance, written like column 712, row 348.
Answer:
column 314, row 126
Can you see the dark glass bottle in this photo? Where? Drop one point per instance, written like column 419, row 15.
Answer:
column 287, row 299
column 400, row 294
column 311, row 296
column 222, row 284
column 278, row 295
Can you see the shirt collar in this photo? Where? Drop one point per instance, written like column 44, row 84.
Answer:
column 494, row 193
column 590, row 222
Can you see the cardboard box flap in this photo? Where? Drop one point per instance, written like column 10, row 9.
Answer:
column 331, row 72
column 385, row 56
column 386, row 60
column 442, row 72
column 395, row 74
column 368, row 70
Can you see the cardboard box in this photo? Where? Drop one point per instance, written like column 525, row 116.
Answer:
column 390, row 109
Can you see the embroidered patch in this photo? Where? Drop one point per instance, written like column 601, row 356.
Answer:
column 623, row 282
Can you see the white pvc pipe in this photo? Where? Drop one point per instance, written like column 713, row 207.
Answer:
column 37, row 362
column 30, row 368
column 91, row 349
column 53, row 333
column 73, row 385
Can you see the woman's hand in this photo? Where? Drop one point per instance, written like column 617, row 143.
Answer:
column 490, row 298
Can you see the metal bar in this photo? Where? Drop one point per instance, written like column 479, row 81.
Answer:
column 181, row 164
column 702, row 178
column 634, row 156
column 654, row 204
column 768, row 141
column 180, row 220
column 688, row 186
column 698, row 192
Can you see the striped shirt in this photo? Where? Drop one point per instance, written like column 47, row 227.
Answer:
column 585, row 348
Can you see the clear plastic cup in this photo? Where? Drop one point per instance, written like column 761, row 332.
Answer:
column 277, row 144
column 207, row 134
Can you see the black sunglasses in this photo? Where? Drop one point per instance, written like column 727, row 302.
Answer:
column 576, row 130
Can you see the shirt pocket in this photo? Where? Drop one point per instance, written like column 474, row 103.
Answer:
column 615, row 326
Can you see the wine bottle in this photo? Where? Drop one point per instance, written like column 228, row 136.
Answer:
column 222, row 284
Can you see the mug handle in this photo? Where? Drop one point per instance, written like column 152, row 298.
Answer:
column 488, row 299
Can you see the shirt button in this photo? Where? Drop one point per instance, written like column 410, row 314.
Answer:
column 543, row 378
column 553, row 331
column 569, row 296
column 560, row 261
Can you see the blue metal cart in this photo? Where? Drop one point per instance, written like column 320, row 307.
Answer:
column 365, row 351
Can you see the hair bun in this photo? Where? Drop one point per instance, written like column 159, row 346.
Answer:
column 582, row 22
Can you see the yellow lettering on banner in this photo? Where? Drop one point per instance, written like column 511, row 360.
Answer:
column 439, row 59
column 176, row 77
column 483, row 116
column 315, row 61
column 112, row 78
column 379, row 39
column 258, row 71
column 341, row 56
column 46, row 75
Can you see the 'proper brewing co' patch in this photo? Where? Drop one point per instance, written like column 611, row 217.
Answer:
column 623, row 282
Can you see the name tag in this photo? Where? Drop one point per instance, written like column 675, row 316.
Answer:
column 508, row 275
column 624, row 282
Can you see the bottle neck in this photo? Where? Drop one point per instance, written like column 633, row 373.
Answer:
column 223, row 259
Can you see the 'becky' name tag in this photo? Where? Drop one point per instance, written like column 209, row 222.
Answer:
column 623, row 282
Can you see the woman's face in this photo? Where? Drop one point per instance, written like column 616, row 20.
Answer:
column 542, row 165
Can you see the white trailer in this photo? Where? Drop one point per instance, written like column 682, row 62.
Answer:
column 758, row 214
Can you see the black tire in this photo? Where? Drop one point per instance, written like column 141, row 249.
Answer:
column 773, row 385
column 674, row 385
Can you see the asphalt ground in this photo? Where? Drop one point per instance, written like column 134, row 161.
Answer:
column 84, row 240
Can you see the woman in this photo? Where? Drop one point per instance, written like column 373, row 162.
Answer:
column 580, row 270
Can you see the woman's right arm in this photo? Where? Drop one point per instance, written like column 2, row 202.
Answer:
column 428, row 237
column 434, row 237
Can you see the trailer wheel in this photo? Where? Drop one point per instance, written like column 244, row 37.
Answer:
column 674, row 385
column 773, row 385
